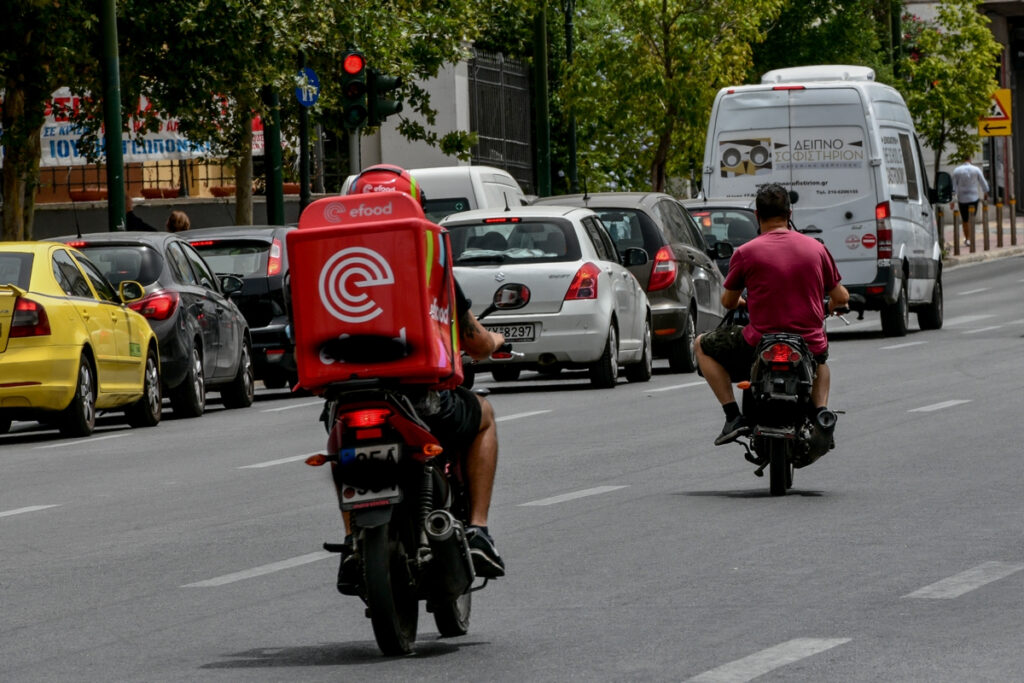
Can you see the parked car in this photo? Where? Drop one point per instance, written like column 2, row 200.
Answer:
column 69, row 343
column 583, row 307
column 682, row 281
column 724, row 220
column 258, row 255
column 204, row 338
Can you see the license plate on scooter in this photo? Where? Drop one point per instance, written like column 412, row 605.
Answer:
column 354, row 498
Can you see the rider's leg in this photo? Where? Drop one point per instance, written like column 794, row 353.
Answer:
column 820, row 387
column 481, row 464
column 715, row 373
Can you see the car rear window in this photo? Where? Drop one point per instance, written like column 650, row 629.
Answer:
column 630, row 228
column 526, row 241
column 735, row 226
column 16, row 269
column 120, row 262
column 237, row 257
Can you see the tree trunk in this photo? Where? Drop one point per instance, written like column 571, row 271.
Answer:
column 660, row 161
column 243, row 179
column 14, row 163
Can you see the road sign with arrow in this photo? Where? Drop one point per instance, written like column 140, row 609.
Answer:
column 997, row 121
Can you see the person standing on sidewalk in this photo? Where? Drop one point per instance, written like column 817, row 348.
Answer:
column 968, row 183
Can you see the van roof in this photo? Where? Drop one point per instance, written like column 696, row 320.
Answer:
column 488, row 173
column 820, row 72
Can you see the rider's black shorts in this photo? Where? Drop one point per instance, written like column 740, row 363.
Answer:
column 727, row 346
column 457, row 423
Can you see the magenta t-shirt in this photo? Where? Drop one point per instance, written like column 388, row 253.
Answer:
column 787, row 275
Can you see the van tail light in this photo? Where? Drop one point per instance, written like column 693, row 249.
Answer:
column 30, row 319
column 274, row 261
column 883, row 230
column 663, row 271
column 584, row 283
column 158, row 305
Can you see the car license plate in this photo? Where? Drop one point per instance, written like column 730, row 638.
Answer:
column 353, row 497
column 514, row 333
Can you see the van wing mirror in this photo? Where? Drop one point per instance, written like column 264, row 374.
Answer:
column 943, row 190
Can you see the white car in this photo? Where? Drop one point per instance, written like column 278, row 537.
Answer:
column 564, row 295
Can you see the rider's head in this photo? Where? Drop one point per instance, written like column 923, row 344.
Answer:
column 772, row 202
column 387, row 178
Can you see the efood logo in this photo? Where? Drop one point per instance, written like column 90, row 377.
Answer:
column 344, row 280
column 334, row 212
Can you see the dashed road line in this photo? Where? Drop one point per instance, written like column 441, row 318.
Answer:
column 31, row 508
column 760, row 663
column 279, row 461
column 983, row 329
column 516, row 416
column 553, row 500
column 964, row 319
column 260, row 571
column 974, row 291
column 676, row 386
column 292, row 407
column 938, row 406
column 76, row 442
column 965, row 582
column 902, row 346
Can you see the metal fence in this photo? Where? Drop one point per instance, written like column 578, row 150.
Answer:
column 155, row 178
column 499, row 113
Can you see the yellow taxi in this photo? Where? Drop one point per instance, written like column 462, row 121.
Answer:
column 69, row 344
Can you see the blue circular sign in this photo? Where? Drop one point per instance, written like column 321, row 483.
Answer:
column 307, row 87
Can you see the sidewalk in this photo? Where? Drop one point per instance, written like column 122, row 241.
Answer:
column 957, row 254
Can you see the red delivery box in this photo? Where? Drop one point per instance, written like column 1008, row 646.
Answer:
column 372, row 293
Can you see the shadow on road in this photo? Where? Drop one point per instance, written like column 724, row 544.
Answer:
column 332, row 654
column 749, row 493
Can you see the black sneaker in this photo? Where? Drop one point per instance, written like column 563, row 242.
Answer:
column 487, row 563
column 349, row 573
column 733, row 429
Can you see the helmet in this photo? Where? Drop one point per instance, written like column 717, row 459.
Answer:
column 386, row 178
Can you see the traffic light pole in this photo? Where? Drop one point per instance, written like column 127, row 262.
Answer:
column 112, row 117
column 354, row 163
column 540, row 94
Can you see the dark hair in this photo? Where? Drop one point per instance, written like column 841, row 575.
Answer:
column 772, row 202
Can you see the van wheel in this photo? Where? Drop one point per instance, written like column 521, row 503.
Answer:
column 930, row 317
column 896, row 316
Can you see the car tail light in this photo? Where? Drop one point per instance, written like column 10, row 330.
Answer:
column 883, row 229
column 780, row 354
column 78, row 244
column 664, row 270
column 503, row 219
column 370, row 417
column 158, row 305
column 274, row 261
column 203, row 243
column 29, row 319
column 584, row 284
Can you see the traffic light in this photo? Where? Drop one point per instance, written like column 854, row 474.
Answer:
column 353, row 89
column 378, row 85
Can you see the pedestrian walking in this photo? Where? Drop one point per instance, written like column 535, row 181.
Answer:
column 968, row 185
column 178, row 222
column 132, row 221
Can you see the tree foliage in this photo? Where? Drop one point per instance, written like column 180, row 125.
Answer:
column 950, row 75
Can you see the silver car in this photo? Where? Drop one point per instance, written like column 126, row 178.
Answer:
column 577, row 305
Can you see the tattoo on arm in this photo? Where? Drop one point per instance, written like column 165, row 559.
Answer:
column 468, row 325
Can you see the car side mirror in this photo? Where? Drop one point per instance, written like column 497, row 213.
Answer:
column 721, row 250
column 231, row 284
column 942, row 193
column 634, row 257
column 131, row 291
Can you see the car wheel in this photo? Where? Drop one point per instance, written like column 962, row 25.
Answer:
column 188, row 399
column 5, row 425
column 274, row 380
column 146, row 412
column 642, row 371
column 549, row 370
column 79, row 418
column 682, row 352
column 604, row 373
column 505, row 374
column 242, row 389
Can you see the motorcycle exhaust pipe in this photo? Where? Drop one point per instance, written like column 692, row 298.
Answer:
column 452, row 565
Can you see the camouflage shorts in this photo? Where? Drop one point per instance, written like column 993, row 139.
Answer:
column 727, row 346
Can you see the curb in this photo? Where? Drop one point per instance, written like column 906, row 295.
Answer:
column 979, row 257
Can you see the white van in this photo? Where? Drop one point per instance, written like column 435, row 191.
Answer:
column 451, row 189
column 846, row 148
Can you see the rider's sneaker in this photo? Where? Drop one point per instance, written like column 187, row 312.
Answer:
column 349, row 572
column 487, row 563
column 732, row 430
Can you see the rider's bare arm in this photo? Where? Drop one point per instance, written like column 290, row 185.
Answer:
column 838, row 297
column 475, row 340
column 731, row 299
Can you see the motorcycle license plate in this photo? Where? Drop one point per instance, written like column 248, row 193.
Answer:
column 515, row 333
column 354, row 498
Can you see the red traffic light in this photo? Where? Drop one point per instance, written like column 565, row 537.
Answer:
column 353, row 63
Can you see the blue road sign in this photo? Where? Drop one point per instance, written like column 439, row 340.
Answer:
column 307, row 89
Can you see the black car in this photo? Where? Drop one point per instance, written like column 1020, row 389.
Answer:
column 258, row 255
column 724, row 220
column 682, row 281
column 204, row 338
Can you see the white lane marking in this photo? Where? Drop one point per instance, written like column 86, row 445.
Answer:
column 983, row 329
column 260, row 571
column 762, row 662
column 965, row 582
column 938, row 406
column 516, row 416
column 901, row 346
column 573, row 496
column 974, row 291
column 676, row 386
column 964, row 319
column 76, row 442
column 31, row 508
column 291, row 407
column 279, row 461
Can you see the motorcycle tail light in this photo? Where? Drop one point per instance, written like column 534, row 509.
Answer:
column 370, row 417
column 780, row 353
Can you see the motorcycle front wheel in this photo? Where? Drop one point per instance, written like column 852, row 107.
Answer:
column 394, row 609
column 780, row 467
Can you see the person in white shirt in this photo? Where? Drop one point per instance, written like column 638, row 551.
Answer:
column 968, row 183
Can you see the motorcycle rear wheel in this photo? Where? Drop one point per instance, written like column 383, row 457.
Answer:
column 394, row 610
column 452, row 615
column 780, row 468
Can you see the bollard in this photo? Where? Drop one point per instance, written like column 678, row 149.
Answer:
column 1013, row 221
column 956, row 232
column 999, row 225
column 972, row 231
column 984, row 226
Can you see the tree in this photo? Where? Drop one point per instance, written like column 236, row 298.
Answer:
column 644, row 77
column 950, row 72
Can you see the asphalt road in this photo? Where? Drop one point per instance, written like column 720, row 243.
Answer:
column 636, row 549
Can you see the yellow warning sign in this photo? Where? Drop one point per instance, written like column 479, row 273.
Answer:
column 998, row 119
